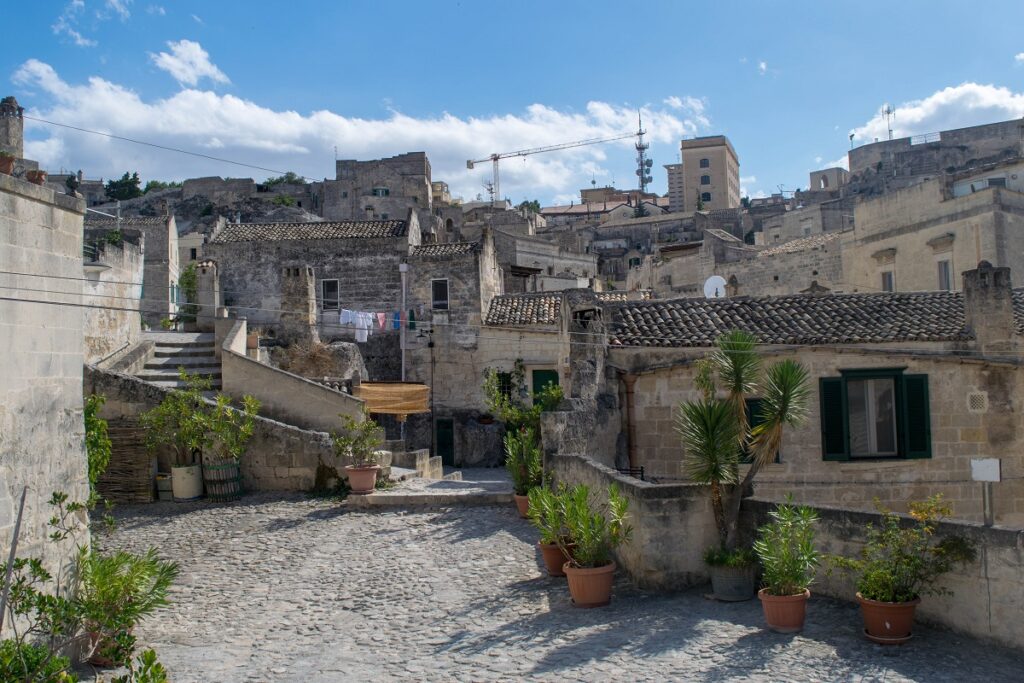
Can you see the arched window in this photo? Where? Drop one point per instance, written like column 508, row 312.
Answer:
column 705, row 163
column 705, row 180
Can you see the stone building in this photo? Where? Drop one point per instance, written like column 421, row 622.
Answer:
column 113, row 289
column 676, row 188
column 41, row 417
column 530, row 264
column 829, row 178
column 355, row 265
column 937, row 375
column 161, row 293
column 711, row 173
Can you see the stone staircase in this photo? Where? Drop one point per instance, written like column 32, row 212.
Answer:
column 173, row 350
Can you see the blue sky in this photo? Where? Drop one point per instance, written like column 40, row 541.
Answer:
column 279, row 85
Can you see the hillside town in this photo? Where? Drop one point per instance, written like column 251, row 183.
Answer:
column 469, row 354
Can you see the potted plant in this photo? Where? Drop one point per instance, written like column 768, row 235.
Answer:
column 182, row 421
column 116, row 592
column 718, row 433
column 358, row 442
column 899, row 563
column 785, row 548
column 595, row 531
column 6, row 163
column 36, row 177
column 232, row 429
column 252, row 338
column 547, row 514
column 523, row 462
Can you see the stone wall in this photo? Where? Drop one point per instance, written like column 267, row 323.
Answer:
column 41, row 425
column 282, row 395
column 958, row 433
column 113, row 285
column 279, row 457
column 987, row 595
column 219, row 190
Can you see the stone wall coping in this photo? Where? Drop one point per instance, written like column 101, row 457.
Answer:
column 38, row 193
column 316, row 386
column 1000, row 536
column 636, row 488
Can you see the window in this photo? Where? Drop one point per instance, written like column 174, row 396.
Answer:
column 705, row 180
column 945, row 278
column 634, row 262
column 542, row 379
column 329, row 295
column 192, row 254
column 888, row 281
column 505, row 384
column 439, row 295
column 705, row 196
column 381, row 192
column 705, row 163
column 383, row 216
column 344, row 194
column 875, row 414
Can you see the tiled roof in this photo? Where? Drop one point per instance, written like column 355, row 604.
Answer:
column 524, row 309
column 637, row 295
column 450, row 249
column 325, row 230
column 797, row 319
column 126, row 221
column 801, row 244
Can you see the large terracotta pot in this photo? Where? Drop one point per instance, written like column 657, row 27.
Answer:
column 362, row 479
column 7, row 165
column 554, row 558
column 522, row 504
column 36, row 177
column 887, row 623
column 784, row 613
column 590, row 587
column 733, row 584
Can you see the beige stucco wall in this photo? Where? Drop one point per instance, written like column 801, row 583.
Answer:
column 957, row 435
column 41, row 424
column 115, row 322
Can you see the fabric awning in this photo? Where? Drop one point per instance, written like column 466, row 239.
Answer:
column 394, row 398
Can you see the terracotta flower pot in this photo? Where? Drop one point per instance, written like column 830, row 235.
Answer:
column 887, row 623
column 522, row 504
column 362, row 479
column 36, row 177
column 590, row 587
column 554, row 558
column 252, row 341
column 7, row 165
column 784, row 613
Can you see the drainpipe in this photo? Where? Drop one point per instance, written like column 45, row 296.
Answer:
column 630, row 381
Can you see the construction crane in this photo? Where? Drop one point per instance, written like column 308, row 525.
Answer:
column 495, row 158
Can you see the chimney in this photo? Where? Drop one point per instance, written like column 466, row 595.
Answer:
column 12, row 127
column 988, row 308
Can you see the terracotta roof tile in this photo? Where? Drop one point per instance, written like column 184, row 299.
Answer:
column 524, row 309
column 449, row 249
column 325, row 230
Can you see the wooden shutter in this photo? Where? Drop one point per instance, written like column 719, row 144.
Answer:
column 834, row 441
column 917, row 428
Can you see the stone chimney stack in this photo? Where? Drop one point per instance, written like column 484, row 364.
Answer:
column 298, row 305
column 988, row 308
column 12, row 127
column 208, row 292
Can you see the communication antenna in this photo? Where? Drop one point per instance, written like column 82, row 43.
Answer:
column 643, row 164
column 714, row 287
column 890, row 114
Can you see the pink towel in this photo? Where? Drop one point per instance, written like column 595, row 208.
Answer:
column 382, row 320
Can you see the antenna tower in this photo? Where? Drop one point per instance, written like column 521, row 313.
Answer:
column 890, row 114
column 643, row 164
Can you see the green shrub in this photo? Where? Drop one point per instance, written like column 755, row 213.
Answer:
column 717, row 556
column 181, row 421
column 785, row 548
column 30, row 662
column 523, row 460
column 232, row 428
column 359, row 441
column 97, row 440
column 595, row 531
column 547, row 513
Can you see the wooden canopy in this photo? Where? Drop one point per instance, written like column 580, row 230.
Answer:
column 394, row 398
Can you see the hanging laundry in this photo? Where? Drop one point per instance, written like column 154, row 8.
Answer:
column 412, row 319
column 362, row 323
column 382, row 320
column 397, row 321
column 347, row 316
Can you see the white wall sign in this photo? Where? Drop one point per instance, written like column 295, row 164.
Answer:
column 985, row 469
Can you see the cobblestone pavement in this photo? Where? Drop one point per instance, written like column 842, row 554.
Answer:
column 285, row 588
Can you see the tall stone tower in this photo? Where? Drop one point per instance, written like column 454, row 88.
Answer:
column 298, row 305
column 12, row 127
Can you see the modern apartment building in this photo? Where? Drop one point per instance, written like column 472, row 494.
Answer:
column 711, row 174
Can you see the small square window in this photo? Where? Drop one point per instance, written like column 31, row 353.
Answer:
column 705, row 163
column 329, row 295
column 888, row 281
column 945, row 276
column 705, row 180
column 705, row 197
column 439, row 295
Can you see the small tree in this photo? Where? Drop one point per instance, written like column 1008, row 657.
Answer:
column 359, row 440
column 155, row 185
column 188, row 280
column 97, row 440
column 531, row 205
column 232, row 428
column 522, row 460
column 289, row 178
column 128, row 187
column 181, row 421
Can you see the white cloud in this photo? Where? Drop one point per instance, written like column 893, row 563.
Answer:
column 818, row 159
column 156, row 9
column 196, row 18
column 841, row 162
column 1019, row 58
column 67, row 22
column 230, row 127
column 119, row 7
column 745, row 182
column 188, row 63
column 762, row 67
column 967, row 104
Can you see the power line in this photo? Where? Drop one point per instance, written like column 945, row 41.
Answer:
column 163, row 147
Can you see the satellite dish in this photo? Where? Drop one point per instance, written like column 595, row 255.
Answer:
column 714, row 288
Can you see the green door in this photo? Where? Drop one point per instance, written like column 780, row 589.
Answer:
column 445, row 437
column 542, row 378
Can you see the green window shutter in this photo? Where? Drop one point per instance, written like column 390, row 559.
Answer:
column 542, row 378
column 917, row 429
column 834, row 441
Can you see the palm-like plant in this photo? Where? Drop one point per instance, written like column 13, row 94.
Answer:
column 701, row 425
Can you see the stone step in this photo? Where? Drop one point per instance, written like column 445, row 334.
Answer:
column 453, row 476
column 178, row 384
column 187, row 361
column 486, row 489
column 185, row 345
column 175, row 354
column 172, row 374
column 402, row 474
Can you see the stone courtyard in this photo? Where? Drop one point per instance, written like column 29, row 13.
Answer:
column 288, row 588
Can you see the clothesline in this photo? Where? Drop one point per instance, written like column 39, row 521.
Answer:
column 365, row 322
